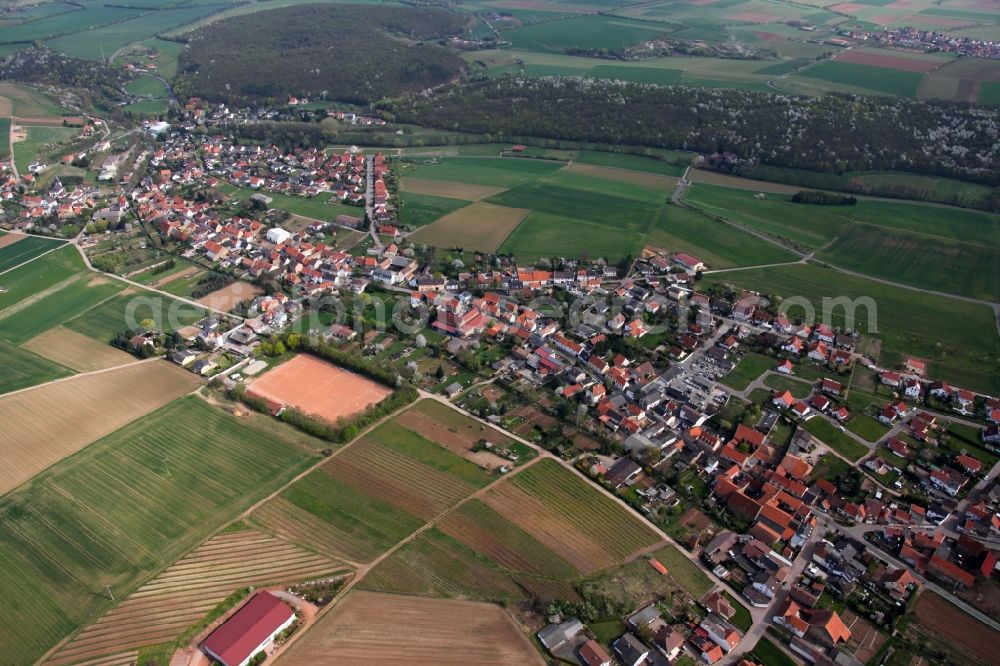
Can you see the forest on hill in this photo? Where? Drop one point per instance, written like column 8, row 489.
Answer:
column 832, row 134
column 349, row 53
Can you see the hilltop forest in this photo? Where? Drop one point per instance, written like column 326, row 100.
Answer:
column 831, row 134
column 349, row 53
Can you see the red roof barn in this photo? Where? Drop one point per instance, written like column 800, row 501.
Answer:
column 250, row 630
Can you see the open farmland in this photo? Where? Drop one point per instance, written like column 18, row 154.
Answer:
column 563, row 512
column 485, row 531
column 435, row 565
column 26, row 102
column 879, row 80
column 71, row 299
column 76, row 351
column 425, row 632
column 958, row 338
column 17, row 249
column 456, row 432
column 45, row 424
column 318, row 388
column 485, row 171
column 410, row 472
column 331, row 516
column 25, row 284
column 124, row 507
column 449, row 189
column 480, row 226
column 544, row 235
column 22, row 368
column 417, row 210
column 624, row 175
column 186, row 591
column 681, row 229
column 595, row 32
column 945, row 622
column 128, row 310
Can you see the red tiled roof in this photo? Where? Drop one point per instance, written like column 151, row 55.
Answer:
column 251, row 625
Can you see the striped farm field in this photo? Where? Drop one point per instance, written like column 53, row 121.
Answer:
column 450, row 189
column 371, row 628
column 485, row 531
column 330, row 516
column 125, row 507
column 76, row 351
column 436, row 565
column 588, row 530
column 407, row 471
column 47, row 423
column 185, row 592
column 19, row 248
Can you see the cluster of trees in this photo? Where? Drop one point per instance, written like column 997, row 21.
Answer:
column 349, row 53
column 832, row 134
column 211, row 282
column 823, row 198
column 37, row 64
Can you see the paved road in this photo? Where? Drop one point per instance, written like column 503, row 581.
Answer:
column 369, row 200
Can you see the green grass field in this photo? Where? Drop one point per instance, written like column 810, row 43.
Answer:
column 881, row 80
column 592, row 32
column 684, row 571
column 989, row 93
column 543, row 235
column 122, row 509
column 495, row 172
column 23, row 369
column 958, row 338
column 4, row 138
column 38, row 275
column 124, row 311
column 770, row 654
column 798, row 388
column 88, row 44
column 750, row 367
column 70, row 301
column 437, row 565
column 632, row 162
column 83, row 20
column 719, row 245
column 24, row 250
column 39, row 143
column 835, row 439
column 426, row 452
column 319, row 207
column 943, row 249
column 957, row 267
column 417, row 210
column 146, row 85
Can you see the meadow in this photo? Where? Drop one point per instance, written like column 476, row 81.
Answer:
column 750, row 367
column 123, row 508
column 493, row 172
column 590, row 32
column 71, row 300
column 119, row 313
column 320, row 207
column 88, row 44
column 27, row 102
column 943, row 249
column 85, row 19
column 36, row 277
column 417, row 210
column 39, row 143
column 25, row 250
column 958, row 338
column 146, row 85
column 23, row 368
column 721, row 246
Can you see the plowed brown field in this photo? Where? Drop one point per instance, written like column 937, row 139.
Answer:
column 376, row 628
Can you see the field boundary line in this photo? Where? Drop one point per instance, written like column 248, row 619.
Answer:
column 24, row 263
column 81, row 374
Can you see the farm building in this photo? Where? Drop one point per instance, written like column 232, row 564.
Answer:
column 249, row 631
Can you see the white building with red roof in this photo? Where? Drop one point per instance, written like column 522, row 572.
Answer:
column 249, row 631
